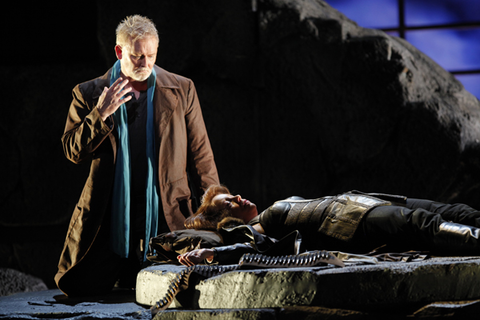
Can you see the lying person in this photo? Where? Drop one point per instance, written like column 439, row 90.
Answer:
column 355, row 222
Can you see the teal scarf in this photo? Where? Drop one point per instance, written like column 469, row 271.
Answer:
column 120, row 234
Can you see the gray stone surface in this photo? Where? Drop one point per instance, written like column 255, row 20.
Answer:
column 362, row 287
column 437, row 279
column 53, row 304
column 263, row 314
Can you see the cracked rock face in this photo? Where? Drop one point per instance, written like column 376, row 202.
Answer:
column 13, row 281
column 385, row 285
column 376, row 113
column 319, row 104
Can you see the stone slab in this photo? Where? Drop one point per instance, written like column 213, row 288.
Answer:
column 120, row 305
column 362, row 287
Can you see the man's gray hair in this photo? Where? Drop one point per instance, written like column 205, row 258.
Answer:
column 134, row 28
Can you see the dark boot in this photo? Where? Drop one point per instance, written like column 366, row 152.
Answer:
column 457, row 237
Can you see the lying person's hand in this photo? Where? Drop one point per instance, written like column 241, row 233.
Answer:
column 195, row 257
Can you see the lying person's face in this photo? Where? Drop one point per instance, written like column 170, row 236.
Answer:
column 236, row 205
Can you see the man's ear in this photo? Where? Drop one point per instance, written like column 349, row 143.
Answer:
column 118, row 51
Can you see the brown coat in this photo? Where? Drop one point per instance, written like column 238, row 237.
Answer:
column 181, row 140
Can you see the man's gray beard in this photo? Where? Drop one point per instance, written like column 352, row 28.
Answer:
column 140, row 77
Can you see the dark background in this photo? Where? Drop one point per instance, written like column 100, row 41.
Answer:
column 293, row 106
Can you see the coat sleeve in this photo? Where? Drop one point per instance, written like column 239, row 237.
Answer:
column 202, row 166
column 84, row 130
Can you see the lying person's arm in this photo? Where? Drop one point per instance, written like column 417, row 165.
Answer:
column 223, row 255
column 229, row 254
column 196, row 256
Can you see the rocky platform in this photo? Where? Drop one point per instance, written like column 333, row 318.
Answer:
column 394, row 288
column 433, row 288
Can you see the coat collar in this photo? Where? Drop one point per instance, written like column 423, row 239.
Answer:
column 166, row 79
column 164, row 96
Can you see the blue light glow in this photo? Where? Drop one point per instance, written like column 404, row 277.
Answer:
column 366, row 12
column 471, row 83
column 453, row 49
column 432, row 12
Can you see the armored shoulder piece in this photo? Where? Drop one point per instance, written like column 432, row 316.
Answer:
column 279, row 208
column 273, row 218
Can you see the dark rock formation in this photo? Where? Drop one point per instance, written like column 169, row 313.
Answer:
column 377, row 113
column 13, row 281
column 301, row 100
column 297, row 100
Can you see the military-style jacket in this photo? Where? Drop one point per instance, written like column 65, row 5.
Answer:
column 336, row 217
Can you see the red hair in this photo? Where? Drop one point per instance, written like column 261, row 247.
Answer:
column 208, row 215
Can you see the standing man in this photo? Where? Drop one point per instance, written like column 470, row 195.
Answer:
column 142, row 129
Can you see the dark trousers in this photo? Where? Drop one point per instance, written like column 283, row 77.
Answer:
column 425, row 225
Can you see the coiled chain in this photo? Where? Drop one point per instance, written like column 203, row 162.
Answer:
column 307, row 259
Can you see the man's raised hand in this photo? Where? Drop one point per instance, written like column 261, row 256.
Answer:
column 112, row 98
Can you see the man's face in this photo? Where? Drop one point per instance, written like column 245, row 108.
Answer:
column 138, row 59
